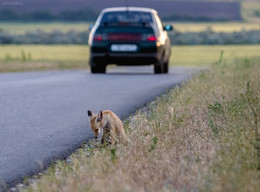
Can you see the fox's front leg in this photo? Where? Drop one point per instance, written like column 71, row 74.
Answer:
column 104, row 137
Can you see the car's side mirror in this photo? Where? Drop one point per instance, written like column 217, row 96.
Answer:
column 168, row 27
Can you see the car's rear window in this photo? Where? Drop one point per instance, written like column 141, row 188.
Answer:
column 114, row 29
column 126, row 17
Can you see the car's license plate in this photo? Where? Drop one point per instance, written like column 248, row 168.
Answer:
column 124, row 47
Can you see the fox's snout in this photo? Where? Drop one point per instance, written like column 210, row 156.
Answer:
column 99, row 136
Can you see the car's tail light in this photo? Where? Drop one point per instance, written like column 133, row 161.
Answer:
column 99, row 37
column 151, row 38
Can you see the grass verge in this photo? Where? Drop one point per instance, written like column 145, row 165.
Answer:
column 196, row 138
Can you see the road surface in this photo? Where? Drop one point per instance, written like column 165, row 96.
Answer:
column 44, row 114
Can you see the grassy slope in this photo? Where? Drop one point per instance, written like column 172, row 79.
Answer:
column 32, row 57
column 198, row 137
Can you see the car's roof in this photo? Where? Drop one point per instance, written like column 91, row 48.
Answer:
column 142, row 9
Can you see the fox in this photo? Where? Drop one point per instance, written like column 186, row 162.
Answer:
column 107, row 126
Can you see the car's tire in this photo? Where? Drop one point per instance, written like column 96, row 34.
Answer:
column 98, row 69
column 158, row 68
column 166, row 67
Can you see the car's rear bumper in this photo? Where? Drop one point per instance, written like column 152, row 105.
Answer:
column 124, row 58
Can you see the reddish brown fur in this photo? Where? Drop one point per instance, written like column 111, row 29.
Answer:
column 112, row 126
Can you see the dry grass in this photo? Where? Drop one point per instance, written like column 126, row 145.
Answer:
column 19, row 66
column 195, row 138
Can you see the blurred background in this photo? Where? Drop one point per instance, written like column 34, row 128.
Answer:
column 36, row 35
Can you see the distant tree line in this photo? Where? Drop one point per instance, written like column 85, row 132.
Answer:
column 256, row 13
column 207, row 37
column 86, row 14
column 41, row 37
column 190, row 18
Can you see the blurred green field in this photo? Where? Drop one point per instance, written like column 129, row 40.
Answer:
column 21, row 28
column 206, row 55
column 249, row 9
column 217, row 27
column 45, row 52
column 181, row 55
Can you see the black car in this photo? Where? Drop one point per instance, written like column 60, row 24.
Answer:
column 129, row 36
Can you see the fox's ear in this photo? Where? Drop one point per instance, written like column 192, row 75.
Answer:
column 90, row 114
column 100, row 116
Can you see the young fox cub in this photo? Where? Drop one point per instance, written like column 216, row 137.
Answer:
column 107, row 126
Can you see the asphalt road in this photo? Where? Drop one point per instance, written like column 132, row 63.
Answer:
column 44, row 114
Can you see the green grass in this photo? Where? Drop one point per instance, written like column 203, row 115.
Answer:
column 216, row 26
column 248, row 9
column 42, row 57
column 46, row 52
column 206, row 55
column 199, row 137
column 24, row 57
